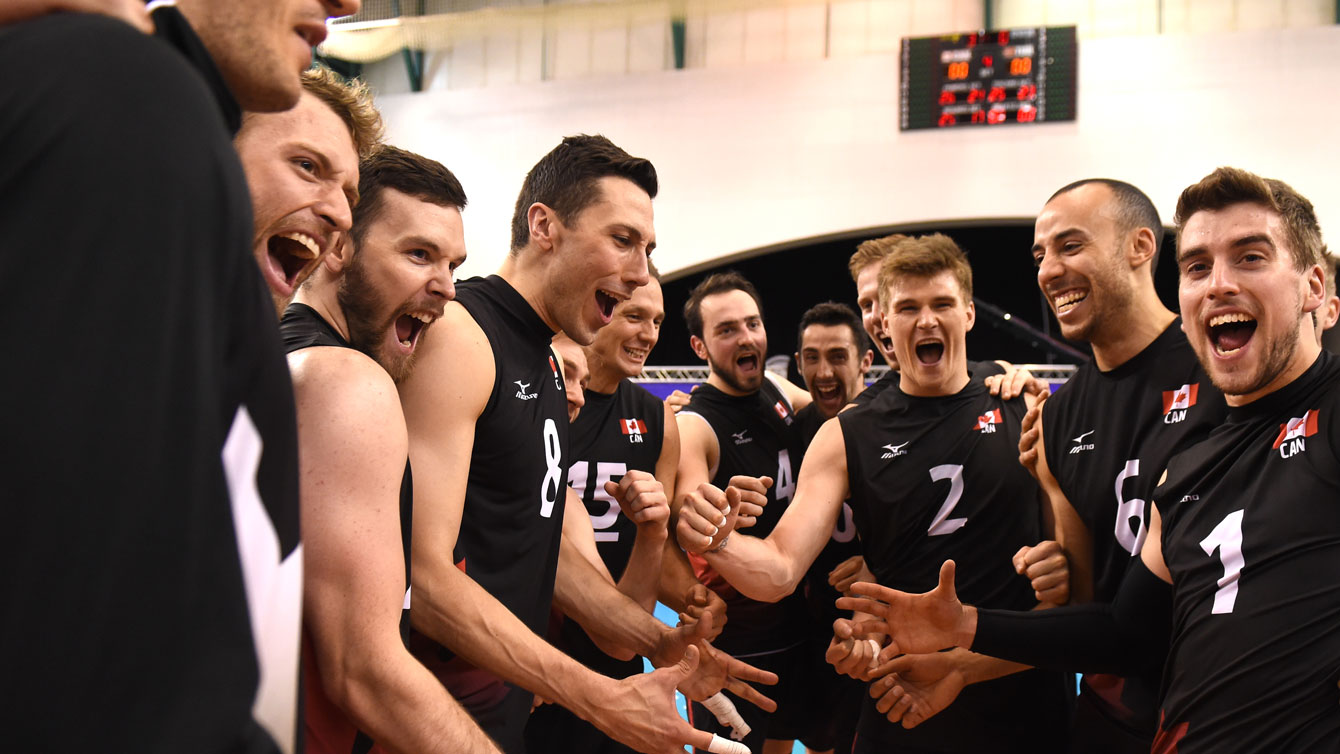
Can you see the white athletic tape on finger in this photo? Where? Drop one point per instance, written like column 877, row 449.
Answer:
column 726, row 714
column 874, row 659
column 720, row 745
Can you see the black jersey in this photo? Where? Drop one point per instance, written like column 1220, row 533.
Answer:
column 754, row 438
column 935, row 478
column 1251, row 536
column 514, row 499
column 976, row 370
column 1109, row 436
column 148, row 436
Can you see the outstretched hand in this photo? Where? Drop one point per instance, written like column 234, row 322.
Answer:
column 642, row 714
column 716, row 670
column 913, row 622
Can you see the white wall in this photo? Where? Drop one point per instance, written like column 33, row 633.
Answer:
column 761, row 154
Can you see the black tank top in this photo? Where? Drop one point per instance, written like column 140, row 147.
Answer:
column 755, row 438
column 514, row 498
column 935, row 478
column 1109, row 436
column 614, row 433
column 301, row 327
column 1251, row 535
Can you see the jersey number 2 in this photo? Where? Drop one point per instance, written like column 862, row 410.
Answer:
column 942, row 524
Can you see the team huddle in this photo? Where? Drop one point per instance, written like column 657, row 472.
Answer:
column 416, row 514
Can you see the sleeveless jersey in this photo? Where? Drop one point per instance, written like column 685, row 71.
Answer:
column 1109, row 436
column 976, row 370
column 326, row 726
column 513, row 513
column 755, row 438
column 935, row 478
column 1251, row 535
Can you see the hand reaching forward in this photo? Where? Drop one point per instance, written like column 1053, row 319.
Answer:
column 913, row 622
column 716, row 670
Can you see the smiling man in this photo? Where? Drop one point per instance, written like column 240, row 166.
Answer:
column 302, row 170
column 1244, row 526
column 488, row 426
column 351, row 335
column 930, row 470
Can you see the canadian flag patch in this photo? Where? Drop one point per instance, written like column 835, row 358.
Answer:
column 632, row 426
column 1302, row 426
column 987, row 422
column 1181, row 398
column 782, row 411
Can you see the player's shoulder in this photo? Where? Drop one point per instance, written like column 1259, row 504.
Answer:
column 340, row 376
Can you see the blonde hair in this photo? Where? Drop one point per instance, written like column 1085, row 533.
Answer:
column 924, row 257
column 352, row 101
column 872, row 251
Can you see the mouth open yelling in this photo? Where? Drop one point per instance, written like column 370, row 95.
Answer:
column 606, row 302
column 1230, row 332
column 929, row 352
column 290, row 254
column 408, row 328
column 747, row 363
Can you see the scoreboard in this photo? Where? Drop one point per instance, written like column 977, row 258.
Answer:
column 988, row 78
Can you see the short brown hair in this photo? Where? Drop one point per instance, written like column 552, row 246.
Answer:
column 720, row 282
column 1228, row 186
column 565, row 180
column 872, row 251
column 352, row 101
column 924, row 257
column 404, row 171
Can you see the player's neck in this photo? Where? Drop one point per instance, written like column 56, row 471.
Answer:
column 320, row 294
column 604, row 378
column 957, row 380
column 1304, row 356
column 1124, row 336
column 528, row 280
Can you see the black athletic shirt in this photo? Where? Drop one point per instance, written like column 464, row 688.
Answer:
column 842, row 543
column 1251, row 535
column 976, row 370
column 514, row 499
column 145, row 378
column 614, row 433
column 1109, row 436
column 755, row 438
column 937, row 478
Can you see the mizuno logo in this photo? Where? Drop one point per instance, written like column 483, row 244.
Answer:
column 895, row 450
column 740, row 437
column 1080, row 445
column 521, row 393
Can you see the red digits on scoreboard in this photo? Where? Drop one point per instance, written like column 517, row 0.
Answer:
column 978, row 116
column 1027, row 114
column 1027, row 92
column 947, row 119
column 995, row 116
column 1003, row 37
column 946, row 98
column 958, row 70
column 988, row 61
column 976, row 95
column 997, row 94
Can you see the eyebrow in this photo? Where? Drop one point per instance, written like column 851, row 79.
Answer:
column 1063, row 235
column 350, row 192
column 1237, row 243
column 421, row 241
column 635, row 235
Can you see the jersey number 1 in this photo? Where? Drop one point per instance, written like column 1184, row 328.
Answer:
column 1227, row 539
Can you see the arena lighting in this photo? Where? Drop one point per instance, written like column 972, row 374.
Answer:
column 988, row 78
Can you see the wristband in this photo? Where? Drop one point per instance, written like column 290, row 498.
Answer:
column 721, row 545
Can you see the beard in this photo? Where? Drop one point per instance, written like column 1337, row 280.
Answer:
column 359, row 300
column 728, row 376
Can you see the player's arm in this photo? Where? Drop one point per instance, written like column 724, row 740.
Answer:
column 798, row 396
column 1068, row 529
column 579, row 538
column 641, row 579
column 769, row 569
column 443, row 398
column 352, row 440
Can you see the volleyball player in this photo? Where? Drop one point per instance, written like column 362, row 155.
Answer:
column 929, row 469
column 351, row 335
column 488, row 438
column 1243, row 525
column 738, row 424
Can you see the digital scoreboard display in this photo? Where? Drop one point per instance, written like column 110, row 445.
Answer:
column 988, row 78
